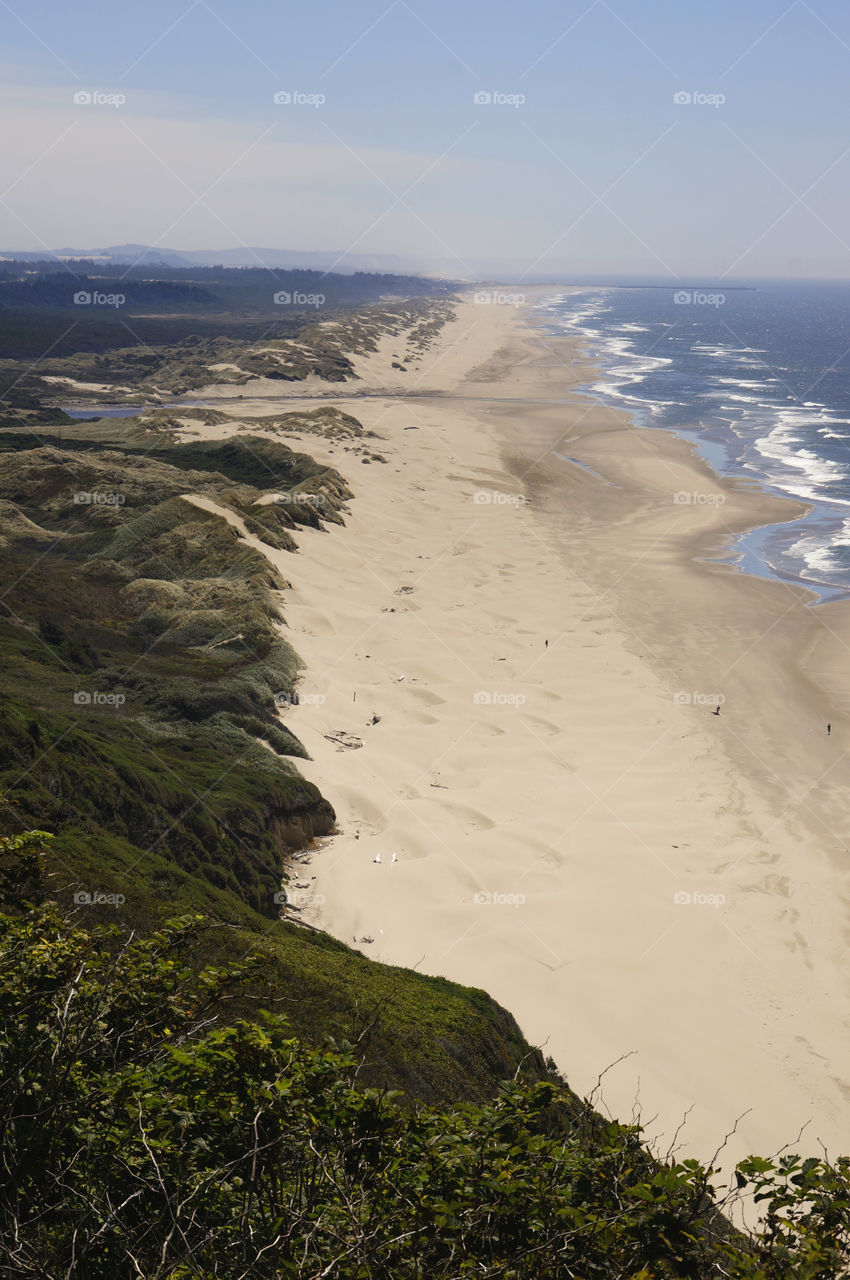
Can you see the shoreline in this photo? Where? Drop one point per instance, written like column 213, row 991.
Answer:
column 718, row 448
column 599, row 797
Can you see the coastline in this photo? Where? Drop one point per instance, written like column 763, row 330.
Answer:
column 600, row 797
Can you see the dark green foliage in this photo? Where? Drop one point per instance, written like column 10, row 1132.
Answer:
column 22, row 869
column 806, row 1228
column 147, row 1133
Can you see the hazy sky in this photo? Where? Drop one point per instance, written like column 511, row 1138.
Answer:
column 598, row 170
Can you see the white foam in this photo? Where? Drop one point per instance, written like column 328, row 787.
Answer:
column 720, row 350
column 726, row 395
column 803, row 473
column 821, row 557
column 756, row 385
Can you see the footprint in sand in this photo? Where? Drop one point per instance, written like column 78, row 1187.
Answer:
column 549, row 727
column 421, row 718
column 471, row 817
column 427, row 697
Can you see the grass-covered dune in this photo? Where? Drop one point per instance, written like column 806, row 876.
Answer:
column 170, row 334
column 147, row 653
column 143, row 663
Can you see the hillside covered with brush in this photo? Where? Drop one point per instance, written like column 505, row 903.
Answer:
column 151, row 1127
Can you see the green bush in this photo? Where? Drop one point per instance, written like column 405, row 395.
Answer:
column 144, row 1135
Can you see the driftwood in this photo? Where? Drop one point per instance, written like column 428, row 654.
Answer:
column 344, row 741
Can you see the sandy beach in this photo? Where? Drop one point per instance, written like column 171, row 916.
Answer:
column 568, row 824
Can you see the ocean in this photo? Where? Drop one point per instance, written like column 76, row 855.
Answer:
column 758, row 377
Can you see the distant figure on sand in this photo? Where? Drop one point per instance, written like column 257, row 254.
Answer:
column 546, row 643
column 377, row 858
column 716, row 711
column 828, row 730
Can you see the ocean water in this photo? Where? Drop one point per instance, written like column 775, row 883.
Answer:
column 759, row 378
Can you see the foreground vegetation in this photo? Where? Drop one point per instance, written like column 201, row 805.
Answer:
column 147, row 1131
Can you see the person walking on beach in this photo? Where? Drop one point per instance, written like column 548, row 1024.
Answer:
column 828, row 730
column 716, row 711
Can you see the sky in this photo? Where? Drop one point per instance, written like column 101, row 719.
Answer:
column 670, row 138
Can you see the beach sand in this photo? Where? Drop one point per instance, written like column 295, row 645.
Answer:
column 575, row 831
